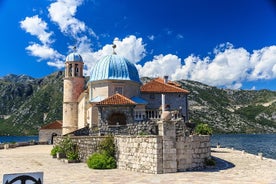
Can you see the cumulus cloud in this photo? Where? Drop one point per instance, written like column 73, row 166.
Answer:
column 131, row 47
column 36, row 27
column 56, row 63
column 43, row 52
column 160, row 65
column 229, row 67
column 263, row 63
column 62, row 12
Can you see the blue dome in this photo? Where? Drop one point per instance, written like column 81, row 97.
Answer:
column 114, row 67
column 74, row 57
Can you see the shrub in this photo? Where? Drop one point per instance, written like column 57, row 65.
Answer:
column 72, row 155
column 107, row 146
column 55, row 150
column 101, row 161
column 203, row 129
column 105, row 157
column 68, row 148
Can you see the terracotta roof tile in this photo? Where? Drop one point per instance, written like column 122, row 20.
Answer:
column 54, row 125
column 158, row 86
column 116, row 99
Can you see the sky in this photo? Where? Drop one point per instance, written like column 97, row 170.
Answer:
column 228, row 44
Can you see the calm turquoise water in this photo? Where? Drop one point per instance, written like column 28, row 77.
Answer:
column 251, row 143
column 11, row 139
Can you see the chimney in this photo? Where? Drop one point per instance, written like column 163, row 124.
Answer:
column 166, row 79
column 163, row 98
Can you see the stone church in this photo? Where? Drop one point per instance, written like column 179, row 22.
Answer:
column 114, row 96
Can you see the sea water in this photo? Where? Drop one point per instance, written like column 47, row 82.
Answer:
column 251, row 143
column 13, row 139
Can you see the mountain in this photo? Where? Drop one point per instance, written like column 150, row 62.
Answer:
column 232, row 111
column 27, row 103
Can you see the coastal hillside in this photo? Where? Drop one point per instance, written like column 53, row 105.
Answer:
column 232, row 111
column 27, row 103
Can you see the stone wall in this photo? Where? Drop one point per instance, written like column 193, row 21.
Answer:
column 137, row 128
column 87, row 144
column 180, row 152
column 167, row 152
column 192, row 151
column 141, row 153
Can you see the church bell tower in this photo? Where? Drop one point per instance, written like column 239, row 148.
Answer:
column 73, row 86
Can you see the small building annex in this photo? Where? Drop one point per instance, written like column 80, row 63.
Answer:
column 47, row 132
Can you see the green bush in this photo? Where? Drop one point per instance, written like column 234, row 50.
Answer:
column 203, row 129
column 107, row 146
column 72, row 155
column 105, row 157
column 56, row 149
column 101, row 161
column 68, row 148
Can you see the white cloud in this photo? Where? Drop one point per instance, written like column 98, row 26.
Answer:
column 130, row 47
column 230, row 66
column 62, row 12
column 56, row 63
column 37, row 27
column 160, row 66
column 43, row 52
column 263, row 63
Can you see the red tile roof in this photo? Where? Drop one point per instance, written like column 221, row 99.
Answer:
column 158, row 86
column 116, row 99
column 54, row 125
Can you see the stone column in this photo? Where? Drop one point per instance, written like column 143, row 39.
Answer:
column 167, row 130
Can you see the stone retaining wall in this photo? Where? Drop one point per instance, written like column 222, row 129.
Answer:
column 141, row 153
column 192, row 151
column 87, row 144
column 164, row 153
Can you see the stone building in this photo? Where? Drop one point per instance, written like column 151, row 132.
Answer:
column 47, row 132
column 115, row 97
column 114, row 101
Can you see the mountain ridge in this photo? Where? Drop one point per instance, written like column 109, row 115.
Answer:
column 28, row 103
